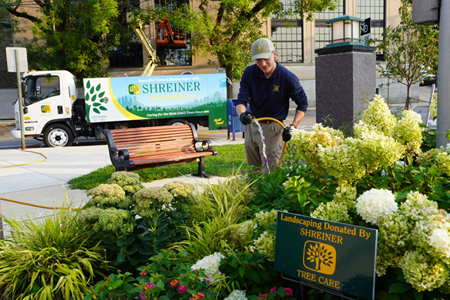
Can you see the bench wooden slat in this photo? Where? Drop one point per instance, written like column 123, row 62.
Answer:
column 181, row 146
column 150, row 147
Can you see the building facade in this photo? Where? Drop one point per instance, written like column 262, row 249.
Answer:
column 295, row 45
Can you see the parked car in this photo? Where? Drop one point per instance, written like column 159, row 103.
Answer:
column 428, row 80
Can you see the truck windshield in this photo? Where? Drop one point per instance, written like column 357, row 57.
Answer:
column 38, row 88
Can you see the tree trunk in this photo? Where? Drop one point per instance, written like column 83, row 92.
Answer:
column 318, row 261
column 408, row 97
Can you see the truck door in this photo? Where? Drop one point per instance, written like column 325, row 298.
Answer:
column 44, row 102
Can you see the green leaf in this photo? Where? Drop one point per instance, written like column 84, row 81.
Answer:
column 234, row 263
column 437, row 188
column 101, row 95
column 96, row 104
column 94, row 98
column 417, row 295
column 253, row 275
column 133, row 250
column 88, row 84
column 86, row 97
column 399, row 288
column 434, row 172
column 163, row 298
column 96, row 110
column 242, row 271
column 98, row 87
column 103, row 108
column 92, row 90
column 121, row 255
column 129, row 240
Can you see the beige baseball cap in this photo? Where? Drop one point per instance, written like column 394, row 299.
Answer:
column 262, row 49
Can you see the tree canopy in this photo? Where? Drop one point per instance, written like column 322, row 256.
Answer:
column 408, row 50
column 226, row 29
column 70, row 35
column 77, row 35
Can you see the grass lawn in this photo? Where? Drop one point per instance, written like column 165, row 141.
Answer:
column 229, row 158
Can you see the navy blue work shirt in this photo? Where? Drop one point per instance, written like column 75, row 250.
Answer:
column 269, row 97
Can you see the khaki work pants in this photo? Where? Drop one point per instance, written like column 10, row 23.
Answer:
column 254, row 145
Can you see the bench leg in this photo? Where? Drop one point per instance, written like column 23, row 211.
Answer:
column 201, row 168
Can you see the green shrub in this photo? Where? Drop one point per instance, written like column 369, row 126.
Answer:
column 52, row 259
column 214, row 217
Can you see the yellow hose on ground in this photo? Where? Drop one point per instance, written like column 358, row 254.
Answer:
column 40, row 206
column 282, row 125
column 30, row 204
column 36, row 162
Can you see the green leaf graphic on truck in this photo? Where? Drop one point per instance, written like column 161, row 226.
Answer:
column 94, row 99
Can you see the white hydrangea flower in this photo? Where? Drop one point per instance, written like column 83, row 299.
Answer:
column 412, row 114
column 379, row 115
column 440, row 239
column 407, row 131
column 417, row 207
column 267, row 218
column 236, row 295
column 265, row 244
column 210, row 264
column 375, row 205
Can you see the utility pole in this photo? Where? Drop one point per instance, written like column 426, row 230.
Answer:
column 430, row 12
column 443, row 103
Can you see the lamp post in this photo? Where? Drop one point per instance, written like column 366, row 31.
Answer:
column 345, row 73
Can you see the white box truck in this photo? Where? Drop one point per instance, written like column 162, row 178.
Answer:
column 54, row 112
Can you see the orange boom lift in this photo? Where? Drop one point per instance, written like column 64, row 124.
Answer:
column 167, row 37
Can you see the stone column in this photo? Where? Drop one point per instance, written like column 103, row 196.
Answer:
column 345, row 82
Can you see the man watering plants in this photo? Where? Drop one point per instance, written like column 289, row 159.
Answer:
column 267, row 87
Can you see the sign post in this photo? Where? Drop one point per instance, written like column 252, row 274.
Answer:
column 17, row 62
column 334, row 257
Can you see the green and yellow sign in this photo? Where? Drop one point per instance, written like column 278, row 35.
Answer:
column 157, row 97
column 333, row 255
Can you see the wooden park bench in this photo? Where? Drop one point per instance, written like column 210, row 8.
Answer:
column 150, row 147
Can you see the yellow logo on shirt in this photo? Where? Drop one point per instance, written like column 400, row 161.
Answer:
column 276, row 88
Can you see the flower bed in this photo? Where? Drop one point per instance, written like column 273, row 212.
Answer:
column 218, row 242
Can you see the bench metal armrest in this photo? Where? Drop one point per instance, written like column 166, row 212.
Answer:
column 119, row 158
column 205, row 145
column 111, row 146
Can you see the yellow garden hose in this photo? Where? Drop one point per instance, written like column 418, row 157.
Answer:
column 30, row 204
column 40, row 206
column 36, row 162
column 282, row 126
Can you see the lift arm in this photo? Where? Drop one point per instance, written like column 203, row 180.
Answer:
column 151, row 53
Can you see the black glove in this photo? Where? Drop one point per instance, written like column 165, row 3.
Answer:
column 245, row 118
column 287, row 136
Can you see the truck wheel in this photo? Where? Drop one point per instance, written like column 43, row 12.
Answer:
column 177, row 122
column 58, row 135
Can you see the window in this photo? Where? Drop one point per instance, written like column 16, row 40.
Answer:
column 129, row 53
column 40, row 88
column 322, row 30
column 288, row 40
column 126, row 56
